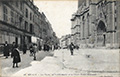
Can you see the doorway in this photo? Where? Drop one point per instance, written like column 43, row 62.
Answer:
column 101, row 36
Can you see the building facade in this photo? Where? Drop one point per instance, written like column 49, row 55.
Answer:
column 96, row 23
column 65, row 41
column 21, row 22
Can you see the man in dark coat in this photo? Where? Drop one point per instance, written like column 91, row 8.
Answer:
column 71, row 48
column 48, row 48
column 45, row 47
column 6, row 49
column 24, row 48
column 16, row 56
column 12, row 48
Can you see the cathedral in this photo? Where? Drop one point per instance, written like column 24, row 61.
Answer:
column 96, row 24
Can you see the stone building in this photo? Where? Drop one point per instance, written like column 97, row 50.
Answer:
column 65, row 41
column 21, row 22
column 96, row 23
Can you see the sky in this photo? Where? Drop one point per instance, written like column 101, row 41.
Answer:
column 59, row 14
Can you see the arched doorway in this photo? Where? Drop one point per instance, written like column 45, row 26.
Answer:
column 101, row 36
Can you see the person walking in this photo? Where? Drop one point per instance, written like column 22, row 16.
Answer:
column 24, row 48
column 45, row 47
column 34, row 51
column 31, row 50
column 71, row 46
column 6, row 50
column 16, row 56
column 12, row 48
column 48, row 48
column 40, row 47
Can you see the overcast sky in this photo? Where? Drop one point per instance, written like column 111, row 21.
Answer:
column 59, row 14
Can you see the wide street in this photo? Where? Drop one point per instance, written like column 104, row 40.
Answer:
column 26, row 59
column 84, row 62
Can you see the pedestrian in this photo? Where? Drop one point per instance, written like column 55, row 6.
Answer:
column 48, row 48
column 16, row 56
column 34, row 51
column 12, row 48
column 40, row 47
column 6, row 50
column 45, row 47
column 31, row 50
column 71, row 46
column 24, row 48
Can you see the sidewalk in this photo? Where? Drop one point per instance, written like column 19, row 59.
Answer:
column 91, row 61
column 84, row 62
column 26, row 59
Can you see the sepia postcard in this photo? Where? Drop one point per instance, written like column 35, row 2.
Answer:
column 59, row 38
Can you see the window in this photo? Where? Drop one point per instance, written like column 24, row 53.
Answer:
column 17, row 4
column 17, row 20
column 33, row 18
column 31, row 28
column 30, row 16
column 26, row 12
column 115, row 19
column 115, row 11
column 21, row 6
column 26, row 25
column 5, row 13
column 12, row 15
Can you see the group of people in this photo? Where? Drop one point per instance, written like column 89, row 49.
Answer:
column 13, row 50
column 46, row 47
column 14, row 53
column 33, row 49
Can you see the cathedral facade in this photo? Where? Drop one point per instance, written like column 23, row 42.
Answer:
column 96, row 24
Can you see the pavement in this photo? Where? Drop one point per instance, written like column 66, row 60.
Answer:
column 26, row 59
column 84, row 63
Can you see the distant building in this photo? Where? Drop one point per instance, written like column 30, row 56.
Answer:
column 65, row 41
column 21, row 22
column 96, row 23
